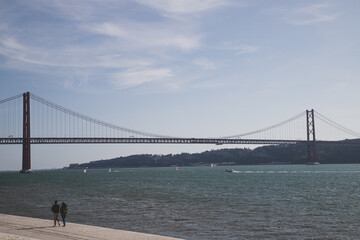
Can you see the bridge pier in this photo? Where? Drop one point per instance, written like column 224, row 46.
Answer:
column 26, row 155
column 311, row 142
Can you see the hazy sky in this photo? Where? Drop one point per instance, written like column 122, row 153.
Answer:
column 179, row 67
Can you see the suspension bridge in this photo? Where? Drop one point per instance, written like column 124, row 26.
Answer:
column 51, row 123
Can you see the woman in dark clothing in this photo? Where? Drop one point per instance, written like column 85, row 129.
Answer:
column 63, row 212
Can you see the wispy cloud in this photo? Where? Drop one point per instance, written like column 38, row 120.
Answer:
column 184, row 6
column 311, row 14
column 87, row 56
column 142, row 36
column 136, row 77
column 11, row 48
column 205, row 63
column 239, row 48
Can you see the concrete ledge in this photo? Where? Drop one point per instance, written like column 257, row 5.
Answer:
column 25, row 228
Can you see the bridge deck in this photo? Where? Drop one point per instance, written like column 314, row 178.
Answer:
column 217, row 141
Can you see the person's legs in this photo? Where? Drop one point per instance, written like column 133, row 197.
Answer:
column 63, row 218
column 55, row 218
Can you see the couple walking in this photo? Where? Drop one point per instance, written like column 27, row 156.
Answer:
column 63, row 211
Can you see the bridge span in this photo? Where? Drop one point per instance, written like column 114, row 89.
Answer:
column 59, row 125
column 216, row 141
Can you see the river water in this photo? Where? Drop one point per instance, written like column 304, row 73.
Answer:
column 254, row 202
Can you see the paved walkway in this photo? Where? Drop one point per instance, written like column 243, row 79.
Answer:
column 24, row 228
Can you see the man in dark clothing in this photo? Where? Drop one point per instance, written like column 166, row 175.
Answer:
column 56, row 209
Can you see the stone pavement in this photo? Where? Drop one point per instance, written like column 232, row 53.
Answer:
column 25, row 228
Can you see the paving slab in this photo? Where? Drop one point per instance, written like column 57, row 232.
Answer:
column 25, row 228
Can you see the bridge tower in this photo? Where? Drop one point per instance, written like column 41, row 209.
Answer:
column 311, row 142
column 26, row 164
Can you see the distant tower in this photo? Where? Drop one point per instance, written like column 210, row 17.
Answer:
column 26, row 165
column 311, row 142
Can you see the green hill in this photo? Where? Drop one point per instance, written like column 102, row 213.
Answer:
column 274, row 154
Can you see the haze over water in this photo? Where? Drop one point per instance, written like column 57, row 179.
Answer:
column 254, row 202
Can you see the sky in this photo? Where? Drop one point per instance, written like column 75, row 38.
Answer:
column 179, row 67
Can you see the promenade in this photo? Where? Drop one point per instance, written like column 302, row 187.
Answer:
column 25, row 228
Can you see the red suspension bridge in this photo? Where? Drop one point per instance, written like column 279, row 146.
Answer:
column 51, row 123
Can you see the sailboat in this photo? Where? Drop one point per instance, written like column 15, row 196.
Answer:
column 109, row 169
column 85, row 170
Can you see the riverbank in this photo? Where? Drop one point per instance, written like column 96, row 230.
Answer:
column 25, row 228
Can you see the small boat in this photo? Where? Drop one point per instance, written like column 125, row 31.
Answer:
column 26, row 171
column 229, row 170
column 312, row 163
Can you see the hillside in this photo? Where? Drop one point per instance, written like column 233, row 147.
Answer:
column 275, row 154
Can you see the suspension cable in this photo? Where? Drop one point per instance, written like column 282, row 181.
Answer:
column 92, row 120
column 268, row 128
column 10, row 98
column 336, row 125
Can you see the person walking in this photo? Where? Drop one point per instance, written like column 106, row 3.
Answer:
column 63, row 212
column 56, row 209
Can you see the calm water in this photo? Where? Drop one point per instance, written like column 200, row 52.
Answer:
column 256, row 202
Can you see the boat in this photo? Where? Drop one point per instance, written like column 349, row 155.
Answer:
column 312, row 163
column 85, row 170
column 229, row 170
